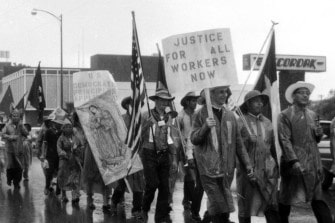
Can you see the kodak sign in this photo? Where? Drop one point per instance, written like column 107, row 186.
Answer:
column 288, row 62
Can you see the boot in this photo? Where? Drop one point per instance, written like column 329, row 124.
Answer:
column 244, row 219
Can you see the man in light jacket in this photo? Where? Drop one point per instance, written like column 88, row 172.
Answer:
column 216, row 168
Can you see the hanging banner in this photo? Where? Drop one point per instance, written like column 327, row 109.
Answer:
column 198, row 60
column 94, row 94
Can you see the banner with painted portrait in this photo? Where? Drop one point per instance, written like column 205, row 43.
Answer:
column 102, row 122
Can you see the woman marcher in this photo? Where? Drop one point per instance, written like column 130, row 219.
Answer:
column 90, row 176
column 69, row 150
column 13, row 134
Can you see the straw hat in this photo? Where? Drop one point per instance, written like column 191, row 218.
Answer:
column 251, row 95
column 293, row 87
column 188, row 96
column 161, row 94
column 202, row 99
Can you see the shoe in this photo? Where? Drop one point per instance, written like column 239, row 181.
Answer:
column 136, row 214
column 75, row 201
column 51, row 190
column 64, row 199
column 25, row 179
column 196, row 217
column 207, row 218
column 46, row 191
column 187, row 205
column 144, row 217
column 106, row 209
column 113, row 209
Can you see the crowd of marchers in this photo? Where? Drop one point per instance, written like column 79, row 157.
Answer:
column 246, row 145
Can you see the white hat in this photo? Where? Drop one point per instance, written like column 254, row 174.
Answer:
column 299, row 84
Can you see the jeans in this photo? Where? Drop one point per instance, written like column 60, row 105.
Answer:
column 156, row 173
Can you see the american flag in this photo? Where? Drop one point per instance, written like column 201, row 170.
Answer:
column 137, row 86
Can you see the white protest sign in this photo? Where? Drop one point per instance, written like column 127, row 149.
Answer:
column 198, row 60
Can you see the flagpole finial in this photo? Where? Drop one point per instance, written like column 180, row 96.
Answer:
column 133, row 14
column 274, row 23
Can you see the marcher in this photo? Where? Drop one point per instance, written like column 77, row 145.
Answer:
column 70, row 151
column 193, row 190
column 91, row 177
column 257, row 198
column 136, row 180
column 216, row 168
column 49, row 156
column 157, row 142
column 13, row 134
column 27, row 152
column 301, row 168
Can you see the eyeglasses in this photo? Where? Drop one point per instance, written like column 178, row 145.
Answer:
column 303, row 92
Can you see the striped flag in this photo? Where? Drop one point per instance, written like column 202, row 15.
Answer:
column 133, row 139
column 267, row 83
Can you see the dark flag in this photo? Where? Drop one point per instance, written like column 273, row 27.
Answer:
column 20, row 104
column 267, row 83
column 133, row 139
column 161, row 79
column 36, row 94
column 7, row 101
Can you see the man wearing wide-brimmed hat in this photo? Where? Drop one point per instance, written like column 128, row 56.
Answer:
column 301, row 170
column 193, row 190
column 216, row 168
column 258, row 197
column 13, row 134
column 158, row 143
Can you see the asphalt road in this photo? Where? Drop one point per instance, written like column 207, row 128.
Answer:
column 30, row 205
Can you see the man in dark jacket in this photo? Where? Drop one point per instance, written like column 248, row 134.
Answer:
column 301, row 168
column 216, row 168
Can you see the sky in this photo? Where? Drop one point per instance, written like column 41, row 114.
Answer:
column 105, row 27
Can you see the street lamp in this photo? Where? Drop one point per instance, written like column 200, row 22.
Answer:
column 60, row 19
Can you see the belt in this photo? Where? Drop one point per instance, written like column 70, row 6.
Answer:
column 162, row 151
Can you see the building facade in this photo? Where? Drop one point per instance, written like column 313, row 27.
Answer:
column 117, row 65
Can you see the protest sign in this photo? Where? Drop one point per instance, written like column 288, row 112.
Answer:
column 198, row 60
column 95, row 102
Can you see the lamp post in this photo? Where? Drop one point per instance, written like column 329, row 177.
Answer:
column 60, row 19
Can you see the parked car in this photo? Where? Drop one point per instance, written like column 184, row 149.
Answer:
column 326, row 157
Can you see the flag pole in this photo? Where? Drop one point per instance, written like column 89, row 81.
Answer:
column 145, row 93
column 177, row 123
column 254, row 63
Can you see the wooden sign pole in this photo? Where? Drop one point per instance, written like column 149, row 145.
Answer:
column 210, row 115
